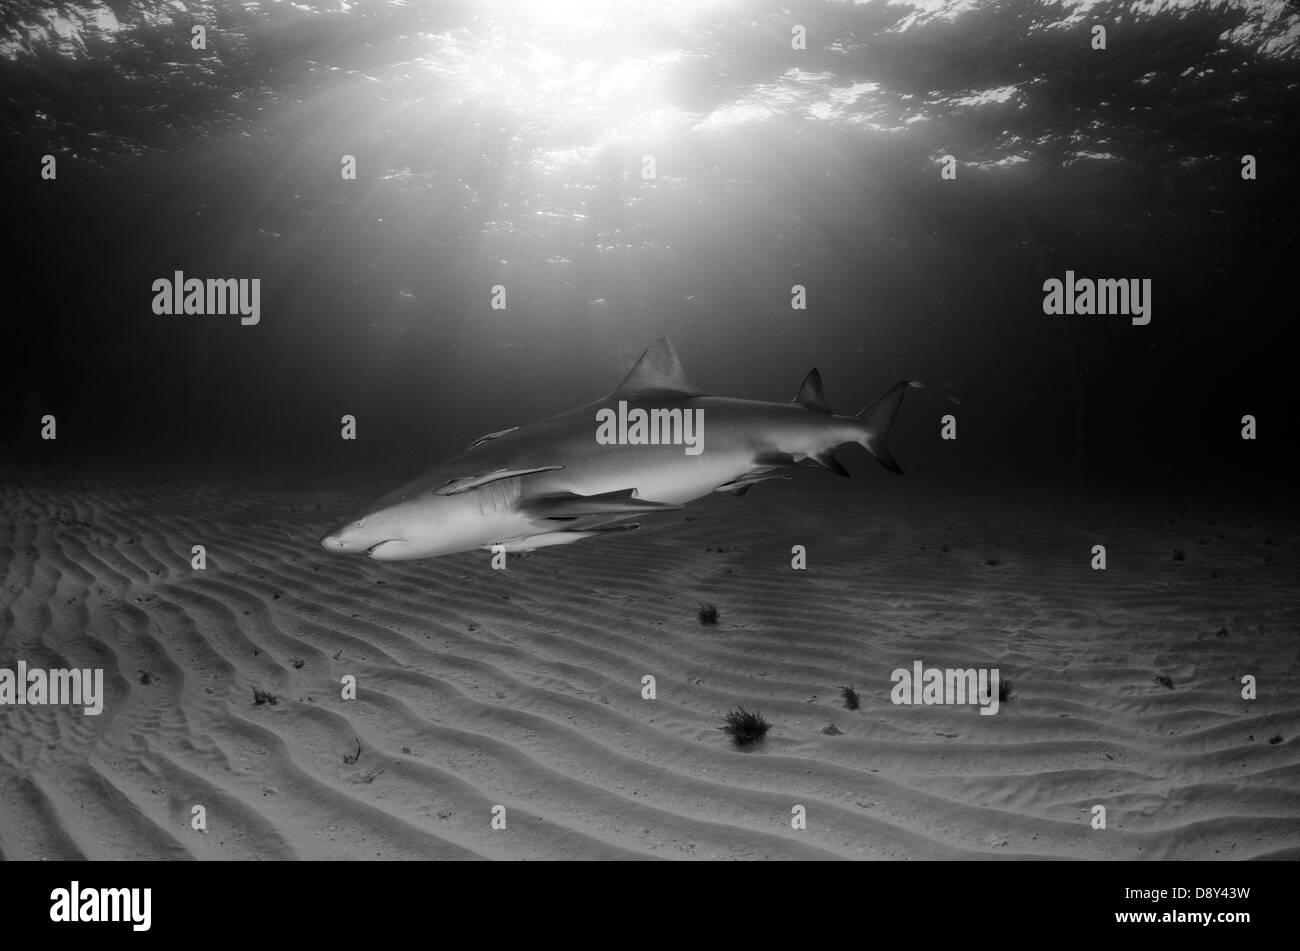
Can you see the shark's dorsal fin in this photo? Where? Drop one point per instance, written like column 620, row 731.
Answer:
column 658, row 370
column 810, row 392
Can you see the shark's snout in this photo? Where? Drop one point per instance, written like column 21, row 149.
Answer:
column 355, row 537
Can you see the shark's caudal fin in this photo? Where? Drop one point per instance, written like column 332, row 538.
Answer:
column 658, row 371
column 876, row 420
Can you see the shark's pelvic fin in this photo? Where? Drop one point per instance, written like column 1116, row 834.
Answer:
column 658, row 370
column 545, row 539
column 563, row 505
column 741, row 486
column 810, row 392
column 470, row 482
column 772, row 459
column 488, row 438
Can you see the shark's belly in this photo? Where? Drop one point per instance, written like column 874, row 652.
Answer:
column 657, row 473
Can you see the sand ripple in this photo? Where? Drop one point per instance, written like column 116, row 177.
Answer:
column 523, row 688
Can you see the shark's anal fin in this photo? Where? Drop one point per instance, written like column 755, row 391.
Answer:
column 488, row 438
column 828, row 460
column 566, row 505
column 471, row 482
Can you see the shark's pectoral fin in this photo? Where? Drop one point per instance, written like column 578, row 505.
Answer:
column 562, row 505
column 469, row 482
column 741, row 486
column 525, row 543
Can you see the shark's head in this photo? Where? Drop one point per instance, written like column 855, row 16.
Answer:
column 423, row 527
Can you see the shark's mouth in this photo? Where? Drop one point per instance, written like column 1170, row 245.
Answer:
column 374, row 548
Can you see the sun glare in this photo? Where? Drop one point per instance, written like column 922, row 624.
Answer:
column 576, row 69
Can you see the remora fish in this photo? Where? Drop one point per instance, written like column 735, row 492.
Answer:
column 552, row 482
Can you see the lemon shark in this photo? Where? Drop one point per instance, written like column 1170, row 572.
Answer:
column 653, row 444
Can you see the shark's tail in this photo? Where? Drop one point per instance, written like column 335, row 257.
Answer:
column 876, row 420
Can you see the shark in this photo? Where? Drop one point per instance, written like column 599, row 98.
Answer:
column 588, row 471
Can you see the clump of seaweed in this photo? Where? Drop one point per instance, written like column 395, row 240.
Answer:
column 708, row 614
column 850, row 698
column 264, row 696
column 744, row 727
column 1165, row 681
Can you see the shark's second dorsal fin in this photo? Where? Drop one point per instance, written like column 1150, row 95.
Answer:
column 810, row 392
column 660, row 371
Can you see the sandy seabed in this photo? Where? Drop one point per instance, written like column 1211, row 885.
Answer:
column 523, row 687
